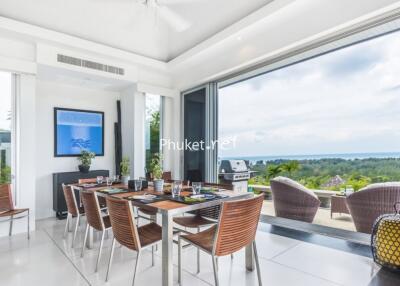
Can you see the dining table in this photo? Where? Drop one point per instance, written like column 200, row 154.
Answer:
column 167, row 207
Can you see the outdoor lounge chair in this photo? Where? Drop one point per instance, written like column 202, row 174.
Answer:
column 293, row 201
column 372, row 201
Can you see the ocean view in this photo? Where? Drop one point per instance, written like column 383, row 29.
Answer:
column 346, row 156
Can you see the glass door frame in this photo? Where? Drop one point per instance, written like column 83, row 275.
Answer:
column 211, row 130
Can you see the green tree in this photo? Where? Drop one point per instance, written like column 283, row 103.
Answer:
column 154, row 137
column 291, row 166
column 273, row 171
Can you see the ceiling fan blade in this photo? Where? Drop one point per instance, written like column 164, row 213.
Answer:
column 173, row 19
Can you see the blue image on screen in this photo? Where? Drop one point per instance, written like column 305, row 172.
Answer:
column 77, row 131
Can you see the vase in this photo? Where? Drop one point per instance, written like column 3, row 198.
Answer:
column 84, row 168
column 158, row 185
column 125, row 179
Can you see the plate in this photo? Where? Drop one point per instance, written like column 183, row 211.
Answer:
column 143, row 197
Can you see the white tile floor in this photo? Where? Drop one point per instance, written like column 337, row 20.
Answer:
column 47, row 259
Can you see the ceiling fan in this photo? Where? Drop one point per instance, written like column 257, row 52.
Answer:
column 161, row 9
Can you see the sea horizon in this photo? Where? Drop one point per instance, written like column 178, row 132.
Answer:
column 346, row 156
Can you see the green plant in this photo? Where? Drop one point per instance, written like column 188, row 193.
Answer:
column 86, row 158
column 156, row 166
column 125, row 167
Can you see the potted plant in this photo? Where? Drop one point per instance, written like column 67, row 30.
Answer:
column 125, row 170
column 157, row 172
column 86, row 160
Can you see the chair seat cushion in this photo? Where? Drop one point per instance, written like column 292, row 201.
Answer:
column 12, row 212
column 149, row 233
column 203, row 239
column 147, row 211
column 193, row 221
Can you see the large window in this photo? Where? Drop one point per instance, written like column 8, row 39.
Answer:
column 153, row 126
column 5, row 127
column 330, row 123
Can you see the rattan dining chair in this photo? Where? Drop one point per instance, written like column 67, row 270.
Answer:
column 202, row 218
column 7, row 207
column 94, row 220
column 128, row 234
column 151, row 212
column 73, row 210
column 236, row 229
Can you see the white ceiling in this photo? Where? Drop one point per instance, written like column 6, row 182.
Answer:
column 128, row 25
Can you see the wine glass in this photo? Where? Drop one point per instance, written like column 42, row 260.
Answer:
column 196, row 187
column 176, row 188
column 138, row 185
column 99, row 180
column 108, row 181
column 116, row 178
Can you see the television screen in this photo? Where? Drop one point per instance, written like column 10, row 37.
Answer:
column 77, row 130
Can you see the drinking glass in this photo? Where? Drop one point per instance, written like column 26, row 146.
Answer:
column 99, row 179
column 196, row 187
column 116, row 178
column 176, row 188
column 138, row 185
column 108, row 181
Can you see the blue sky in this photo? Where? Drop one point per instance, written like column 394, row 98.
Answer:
column 347, row 101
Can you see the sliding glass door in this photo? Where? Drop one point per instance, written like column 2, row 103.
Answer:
column 6, row 128
column 194, row 166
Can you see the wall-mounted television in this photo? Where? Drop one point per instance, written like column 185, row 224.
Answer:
column 76, row 130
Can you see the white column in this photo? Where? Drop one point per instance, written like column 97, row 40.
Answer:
column 171, row 131
column 133, row 108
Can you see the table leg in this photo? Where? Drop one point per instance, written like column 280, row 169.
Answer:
column 249, row 257
column 167, row 241
column 89, row 241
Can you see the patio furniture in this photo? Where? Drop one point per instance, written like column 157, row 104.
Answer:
column 94, row 220
column 293, row 201
column 236, row 229
column 7, row 207
column 128, row 234
column 339, row 205
column 73, row 210
column 369, row 203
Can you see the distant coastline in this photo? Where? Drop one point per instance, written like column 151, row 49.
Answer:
column 346, row 156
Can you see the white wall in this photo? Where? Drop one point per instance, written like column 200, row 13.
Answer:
column 48, row 96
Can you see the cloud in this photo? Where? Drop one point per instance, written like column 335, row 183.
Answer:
column 342, row 102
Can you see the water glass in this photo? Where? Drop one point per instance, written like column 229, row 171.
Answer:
column 176, row 188
column 196, row 187
column 116, row 178
column 109, row 181
column 138, row 185
column 99, row 180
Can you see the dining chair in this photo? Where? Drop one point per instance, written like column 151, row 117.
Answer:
column 128, row 234
column 73, row 210
column 236, row 229
column 102, row 201
column 7, row 207
column 151, row 212
column 203, row 217
column 94, row 220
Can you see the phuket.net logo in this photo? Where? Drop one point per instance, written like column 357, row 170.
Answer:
column 187, row 145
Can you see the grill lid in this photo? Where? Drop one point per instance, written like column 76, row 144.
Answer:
column 233, row 166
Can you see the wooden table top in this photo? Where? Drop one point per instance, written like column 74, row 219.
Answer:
column 166, row 205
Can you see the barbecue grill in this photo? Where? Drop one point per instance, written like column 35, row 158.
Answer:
column 235, row 172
